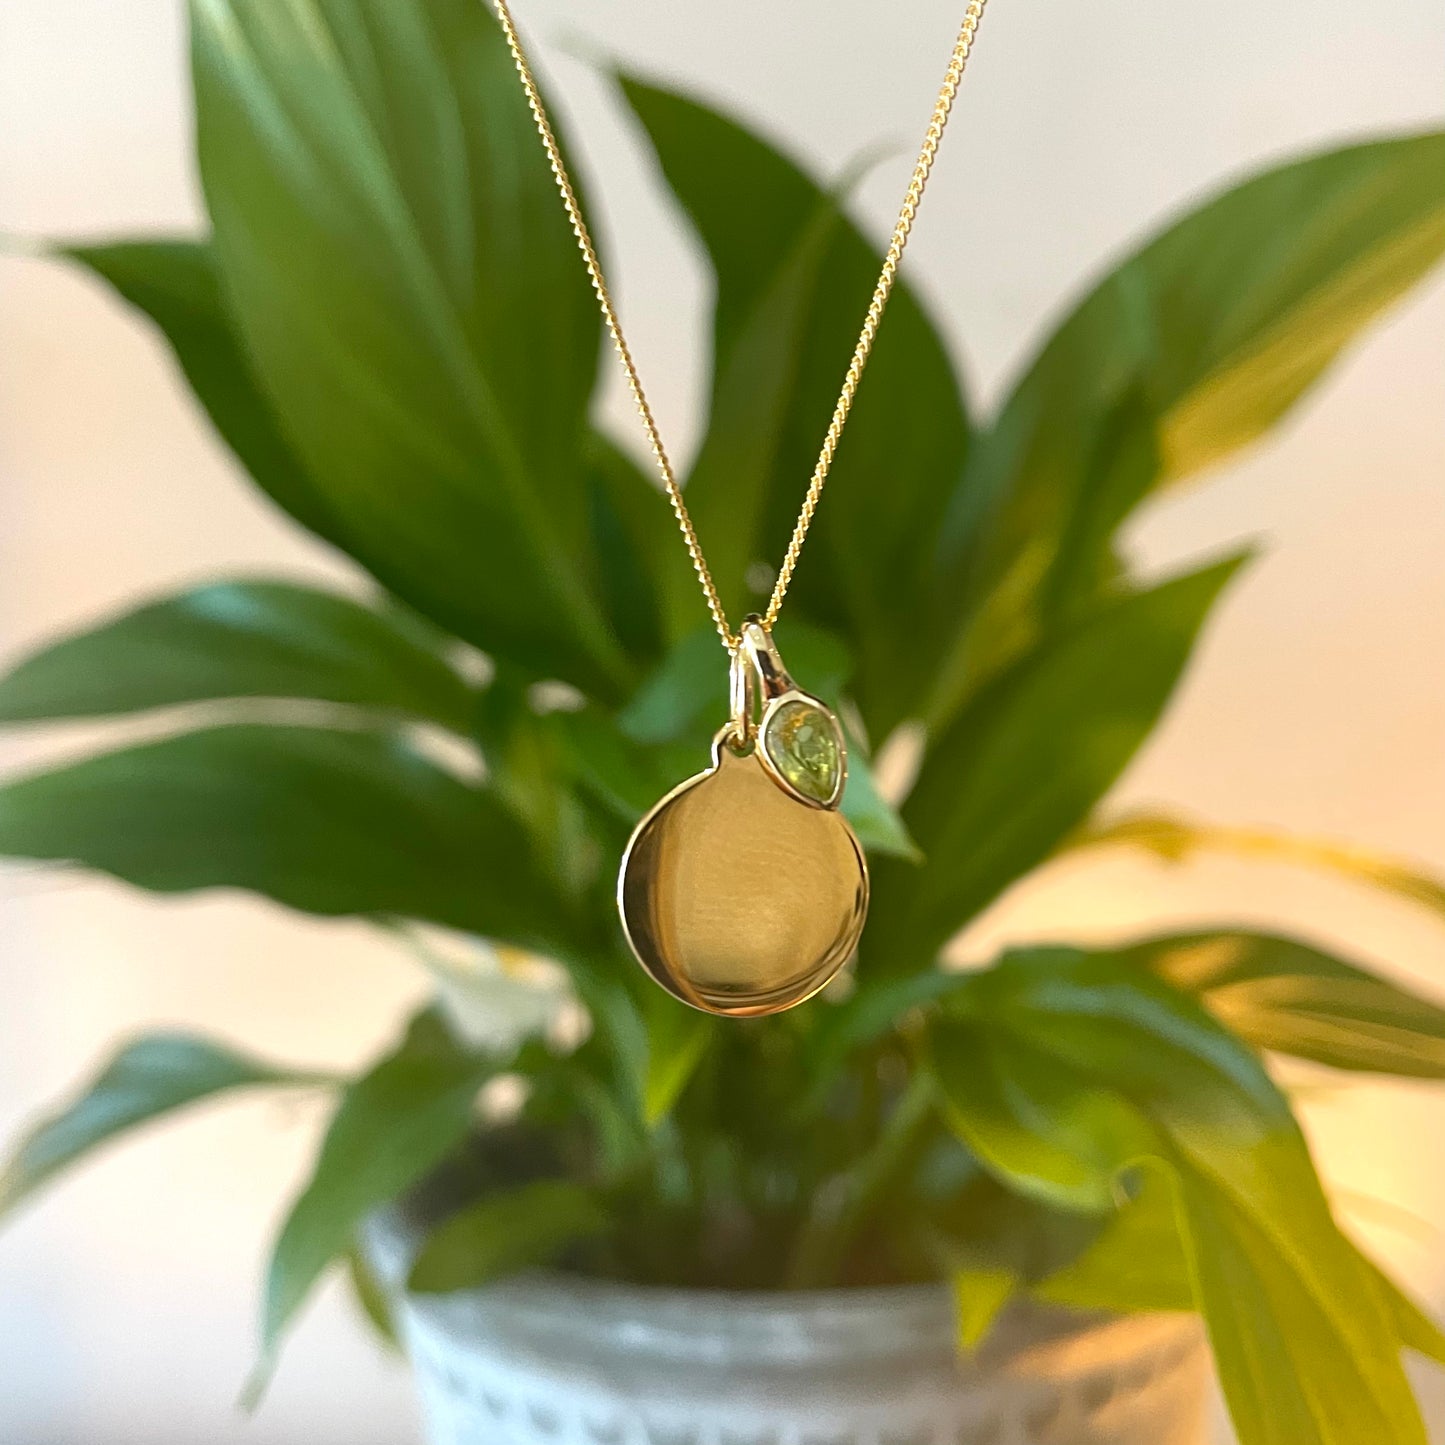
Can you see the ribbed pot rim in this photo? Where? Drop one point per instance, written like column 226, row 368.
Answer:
column 568, row 1288
column 664, row 1322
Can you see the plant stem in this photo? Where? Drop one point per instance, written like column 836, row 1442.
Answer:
column 830, row 1232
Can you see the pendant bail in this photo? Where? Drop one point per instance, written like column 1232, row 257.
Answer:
column 742, row 687
column 767, row 662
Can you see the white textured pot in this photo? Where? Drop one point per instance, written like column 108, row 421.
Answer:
column 556, row 1360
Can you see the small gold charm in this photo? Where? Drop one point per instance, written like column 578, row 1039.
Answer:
column 744, row 890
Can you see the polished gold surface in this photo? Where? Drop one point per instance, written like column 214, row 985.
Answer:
column 737, row 898
column 904, row 225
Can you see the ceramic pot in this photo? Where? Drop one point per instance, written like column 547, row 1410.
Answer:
column 549, row 1359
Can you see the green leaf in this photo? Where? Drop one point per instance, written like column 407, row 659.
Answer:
column 396, row 258
column 371, row 1298
column 240, row 639
column 175, row 284
column 1414, row 1328
column 504, row 1233
column 878, row 824
column 633, row 534
column 878, row 1003
column 787, row 263
column 685, row 695
column 1096, row 1069
column 147, row 1078
column 1029, row 759
column 1267, row 1342
column 321, row 820
column 1139, row 1263
column 393, row 1124
column 677, row 1039
column 624, row 778
column 1298, row 262
column 1193, row 347
column 1173, row 839
column 1136, row 1262
column 990, row 1242
column 1039, row 1123
column 980, row 1292
column 728, row 488
column 1288, row 997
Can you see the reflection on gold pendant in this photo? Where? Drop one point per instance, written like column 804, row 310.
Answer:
column 738, row 899
column 744, row 890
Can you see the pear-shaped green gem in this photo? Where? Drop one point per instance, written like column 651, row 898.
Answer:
column 805, row 746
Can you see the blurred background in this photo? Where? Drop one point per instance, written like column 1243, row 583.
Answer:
column 128, row 1300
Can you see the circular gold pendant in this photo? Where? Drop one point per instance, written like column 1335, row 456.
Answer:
column 744, row 890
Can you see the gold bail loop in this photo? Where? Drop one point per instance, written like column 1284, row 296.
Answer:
column 742, row 699
column 767, row 663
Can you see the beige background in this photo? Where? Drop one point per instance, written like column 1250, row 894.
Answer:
column 127, row 1300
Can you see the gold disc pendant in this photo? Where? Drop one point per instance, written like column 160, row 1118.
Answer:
column 744, row 890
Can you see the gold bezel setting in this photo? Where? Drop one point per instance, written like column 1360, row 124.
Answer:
column 761, row 684
column 773, row 707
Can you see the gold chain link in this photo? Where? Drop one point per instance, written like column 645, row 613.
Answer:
column 906, row 214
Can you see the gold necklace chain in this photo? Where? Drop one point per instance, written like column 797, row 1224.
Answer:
column 901, row 230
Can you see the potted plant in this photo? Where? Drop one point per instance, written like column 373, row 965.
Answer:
column 659, row 1225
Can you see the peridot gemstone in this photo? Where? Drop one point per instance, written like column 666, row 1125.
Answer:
column 804, row 744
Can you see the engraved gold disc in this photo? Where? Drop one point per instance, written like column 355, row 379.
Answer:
column 737, row 897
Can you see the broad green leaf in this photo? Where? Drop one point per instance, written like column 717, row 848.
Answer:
column 393, row 1124
column 686, row 694
column 147, row 1078
column 1047, row 1128
column 322, row 820
column 1195, row 346
column 1286, row 996
column 1174, row 839
column 633, row 535
column 1284, row 1396
column 624, row 778
column 1136, row 1262
column 729, row 488
column 1282, row 1385
column 175, row 284
column 394, row 253
column 1274, row 1277
column 506, row 1232
column 240, row 639
column 1030, row 758
column 784, row 314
